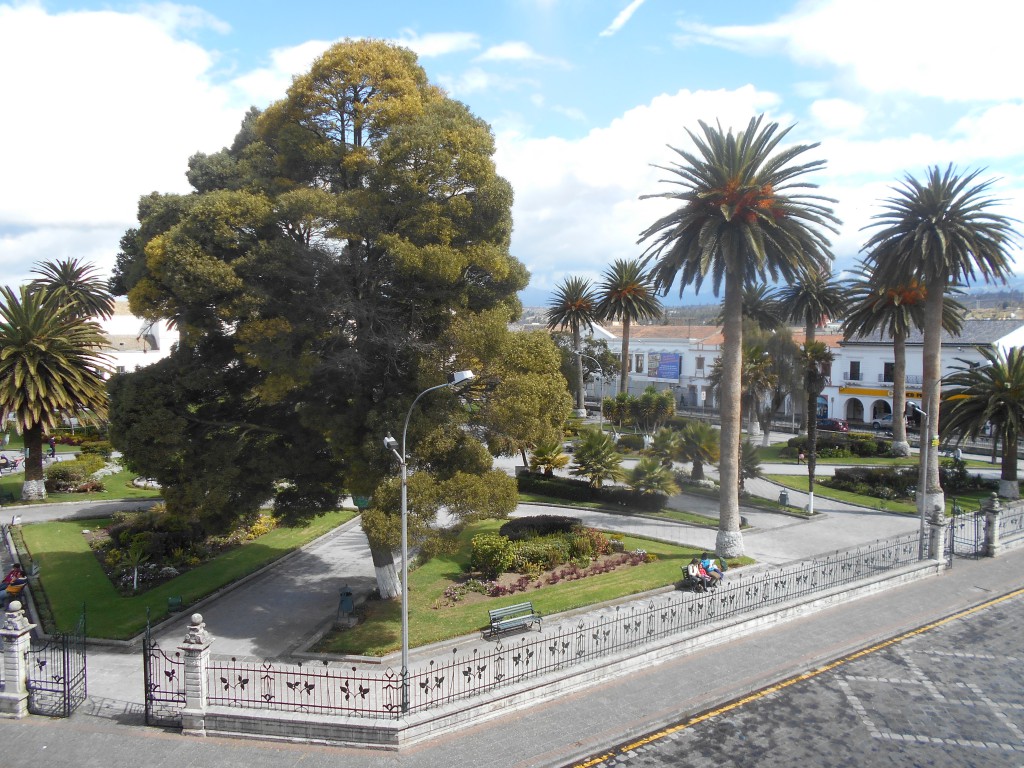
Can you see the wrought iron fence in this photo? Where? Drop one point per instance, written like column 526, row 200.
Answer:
column 164, row 680
column 374, row 694
column 1011, row 523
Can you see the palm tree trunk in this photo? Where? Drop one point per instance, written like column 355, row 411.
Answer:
column 812, row 444
column 1009, row 487
column 580, row 384
column 934, row 499
column 900, row 445
column 34, row 487
column 624, row 374
column 729, row 542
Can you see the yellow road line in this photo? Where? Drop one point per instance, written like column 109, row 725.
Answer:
column 657, row 736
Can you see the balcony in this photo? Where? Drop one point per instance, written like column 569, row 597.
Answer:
column 910, row 380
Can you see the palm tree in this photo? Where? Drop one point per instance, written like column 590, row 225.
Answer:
column 664, row 445
column 596, row 457
column 627, row 294
column 812, row 300
column 574, row 307
column 650, row 476
column 942, row 231
column 744, row 216
column 50, row 362
column 699, row 444
column 817, row 359
column 992, row 392
column 75, row 285
column 893, row 311
column 750, row 463
column 547, row 457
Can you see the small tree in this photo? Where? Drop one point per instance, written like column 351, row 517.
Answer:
column 547, row 457
column 134, row 557
column 650, row 476
column 596, row 458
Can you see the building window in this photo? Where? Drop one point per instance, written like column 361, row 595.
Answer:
column 638, row 365
column 698, row 363
column 889, row 372
column 120, row 369
column 854, row 370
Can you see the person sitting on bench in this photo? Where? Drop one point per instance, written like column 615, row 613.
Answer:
column 14, row 583
column 711, row 567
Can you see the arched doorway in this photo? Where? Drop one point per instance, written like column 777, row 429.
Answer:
column 854, row 410
column 880, row 408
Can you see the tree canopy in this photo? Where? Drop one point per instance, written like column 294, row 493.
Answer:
column 320, row 275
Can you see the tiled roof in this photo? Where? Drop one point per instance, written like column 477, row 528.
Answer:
column 975, row 332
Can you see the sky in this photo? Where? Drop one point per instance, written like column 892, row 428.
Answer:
column 104, row 102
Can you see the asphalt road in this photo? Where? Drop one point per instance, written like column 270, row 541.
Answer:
column 948, row 695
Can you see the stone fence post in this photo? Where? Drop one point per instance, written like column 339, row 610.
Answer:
column 17, row 636
column 992, row 511
column 196, row 652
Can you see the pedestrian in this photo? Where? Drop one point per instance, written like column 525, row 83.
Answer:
column 800, row 458
column 53, row 446
column 711, row 567
column 958, row 454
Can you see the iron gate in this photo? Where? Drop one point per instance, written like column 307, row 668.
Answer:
column 56, row 669
column 164, row 679
column 966, row 532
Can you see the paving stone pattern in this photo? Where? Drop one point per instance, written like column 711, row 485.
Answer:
column 949, row 696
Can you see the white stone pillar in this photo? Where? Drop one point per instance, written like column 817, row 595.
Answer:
column 196, row 655
column 17, row 635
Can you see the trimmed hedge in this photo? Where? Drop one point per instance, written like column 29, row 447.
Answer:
column 521, row 528
column 581, row 490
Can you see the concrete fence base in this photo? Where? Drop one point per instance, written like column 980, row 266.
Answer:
column 420, row 726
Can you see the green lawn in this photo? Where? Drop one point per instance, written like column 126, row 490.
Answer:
column 966, row 500
column 431, row 620
column 71, row 574
column 117, row 487
column 773, row 455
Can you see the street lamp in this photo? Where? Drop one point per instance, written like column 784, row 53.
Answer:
column 600, row 407
column 392, row 445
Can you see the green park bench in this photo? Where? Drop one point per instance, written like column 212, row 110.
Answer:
column 512, row 617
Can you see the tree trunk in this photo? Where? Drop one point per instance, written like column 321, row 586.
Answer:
column 34, row 487
column 1009, row 486
column 729, row 542
column 812, row 413
column 934, row 499
column 580, row 384
column 697, row 472
column 900, row 445
column 624, row 374
column 389, row 584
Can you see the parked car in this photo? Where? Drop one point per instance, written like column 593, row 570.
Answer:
column 883, row 422
column 833, row 425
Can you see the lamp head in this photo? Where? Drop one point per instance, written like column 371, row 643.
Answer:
column 460, row 376
column 390, row 443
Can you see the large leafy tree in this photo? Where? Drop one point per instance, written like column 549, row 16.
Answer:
column 744, row 216
column 573, row 308
column 892, row 312
column 51, row 364
column 942, row 230
column 989, row 393
column 316, row 275
column 627, row 294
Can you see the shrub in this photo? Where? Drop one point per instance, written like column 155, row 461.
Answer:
column 492, row 554
column 541, row 553
column 101, row 448
column 631, row 442
column 521, row 528
column 65, row 476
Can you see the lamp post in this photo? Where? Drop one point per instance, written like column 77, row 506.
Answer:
column 600, row 408
column 392, row 445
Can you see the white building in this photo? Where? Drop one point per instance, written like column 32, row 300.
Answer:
column 134, row 342
column 859, row 388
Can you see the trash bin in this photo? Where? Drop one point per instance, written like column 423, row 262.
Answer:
column 784, row 498
column 345, row 605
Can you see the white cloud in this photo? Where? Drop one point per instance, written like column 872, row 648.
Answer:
column 838, row 116
column 577, row 203
column 182, row 18
column 935, row 48
column 517, row 51
column 620, row 20
column 439, row 44
column 268, row 84
column 109, row 107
